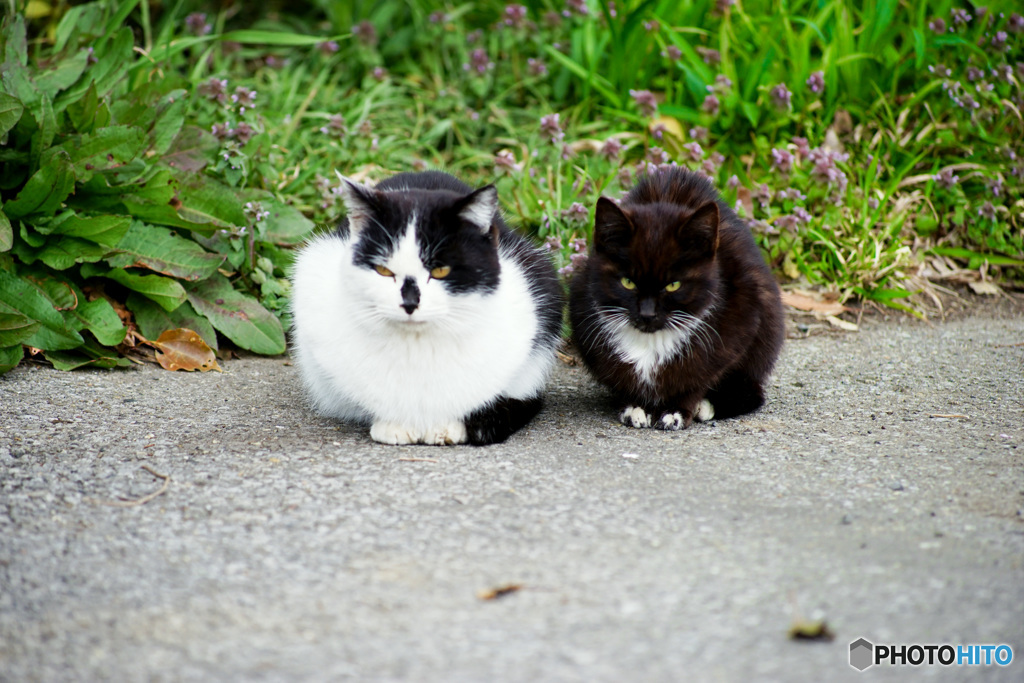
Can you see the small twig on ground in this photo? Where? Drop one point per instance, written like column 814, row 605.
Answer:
column 1007, row 346
column 138, row 501
column 417, row 459
column 945, row 415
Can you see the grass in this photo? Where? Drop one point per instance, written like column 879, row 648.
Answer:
column 872, row 147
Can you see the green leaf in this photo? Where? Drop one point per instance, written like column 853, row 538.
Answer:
column 10, row 357
column 285, row 224
column 168, row 293
column 257, row 37
column 6, row 233
column 100, row 318
column 11, row 110
column 170, row 117
column 161, row 250
column 187, row 200
column 65, row 252
column 46, row 189
column 238, row 316
column 191, row 150
column 82, row 111
column 63, row 75
column 89, row 356
column 38, row 299
column 15, row 328
column 107, row 230
column 105, row 149
column 154, row 320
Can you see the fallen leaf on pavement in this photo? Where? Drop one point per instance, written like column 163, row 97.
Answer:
column 183, row 349
column 499, row 592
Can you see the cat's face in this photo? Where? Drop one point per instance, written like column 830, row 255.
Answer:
column 655, row 263
column 420, row 255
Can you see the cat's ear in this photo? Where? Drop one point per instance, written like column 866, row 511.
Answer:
column 479, row 208
column 701, row 229
column 612, row 228
column 360, row 202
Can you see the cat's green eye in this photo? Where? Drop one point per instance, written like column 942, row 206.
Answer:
column 627, row 283
column 383, row 271
column 440, row 272
column 674, row 287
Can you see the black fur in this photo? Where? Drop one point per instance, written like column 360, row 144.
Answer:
column 497, row 422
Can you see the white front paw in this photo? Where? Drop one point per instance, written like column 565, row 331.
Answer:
column 391, row 433
column 705, row 411
column 446, row 435
column 672, row 422
column 635, row 416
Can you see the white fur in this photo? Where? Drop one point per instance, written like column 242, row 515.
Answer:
column 413, row 377
column 705, row 411
column 635, row 416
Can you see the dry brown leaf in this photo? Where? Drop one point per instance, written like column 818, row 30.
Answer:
column 985, row 288
column 805, row 302
column 746, row 200
column 499, row 592
column 183, row 349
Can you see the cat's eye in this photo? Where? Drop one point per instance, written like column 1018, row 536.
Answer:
column 673, row 287
column 627, row 283
column 383, row 271
column 440, row 272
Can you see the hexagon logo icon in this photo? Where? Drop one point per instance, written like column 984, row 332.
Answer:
column 861, row 654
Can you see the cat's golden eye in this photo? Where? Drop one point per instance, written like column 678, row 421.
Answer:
column 383, row 271
column 674, row 287
column 440, row 272
column 627, row 283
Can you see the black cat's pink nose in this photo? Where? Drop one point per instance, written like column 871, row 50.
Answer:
column 410, row 295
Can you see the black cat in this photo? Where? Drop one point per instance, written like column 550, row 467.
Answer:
column 675, row 309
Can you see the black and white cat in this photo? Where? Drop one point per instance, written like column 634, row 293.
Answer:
column 424, row 315
column 675, row 309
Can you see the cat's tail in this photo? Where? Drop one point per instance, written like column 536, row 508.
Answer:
column 501, row 419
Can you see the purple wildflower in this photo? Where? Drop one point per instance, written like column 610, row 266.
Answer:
column 576, row 213
column 437, row 17
column 625, row 177
column 656, row 155
column 379, row 73
column 995, row 186
column 987, row 210
column 733, row 182
column 196, row 24
column 658, row 131
column 825, row 169
column 611, row 149
column 763, row 194
column 710, row 56
column 801, row 215
column 243, row 132
column 567, row 153
column 999, row 40
column 474, row 37
column 672, row 52
column 244, row 97
column 781, row 96
column 215, row 89
column 515, row 16
column 554, row 242
column 651, row 26
column 722, row 6
column 536, row 67
column 221, row 131
column 938, row 25
column 946, row 179
column 506, row 161
column 255, row 212
column 575, row 6
column 699, row 133
column 90, row 57
column 960, row 16
column 366, row 32
column 1016, row 23
column 335, row 126
column 816, row 82
column 803, row 149
column 328, row 47
column 579, row 244
column 873, row 203
column 479, row 61
column 645, row 102
column 782, row 160
column 974, row 73
column 711, row 105
column 695, row 150
column 551, row 128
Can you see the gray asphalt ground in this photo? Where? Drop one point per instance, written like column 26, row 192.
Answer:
column 881, row 489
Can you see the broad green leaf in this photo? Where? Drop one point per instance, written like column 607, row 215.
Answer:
column 154, row 320
column 191, row 150
column 6, row 233
column 100, row 318
column 61, row 254
column 86, row 357
column 168, row 293
column 170, row 117
column 160, row 250
column 11, row 110
column 258, row 37
column 187, row 200
column 46, row 189
column 27, row 298
column 82, row 111
column 10, row 357
column 106, row 148
column 238, row 316
column 107, row 230
column 82, row 20
column 15, row 328
column 63, row 75
column 285, row 224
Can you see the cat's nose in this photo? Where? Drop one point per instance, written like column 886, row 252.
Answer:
column 647, row 311
column 410, row 295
